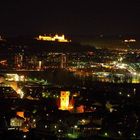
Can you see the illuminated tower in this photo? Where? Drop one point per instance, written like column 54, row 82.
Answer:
column 39, row 65
column 63, row 61
column 64, row 100
column 19, row 60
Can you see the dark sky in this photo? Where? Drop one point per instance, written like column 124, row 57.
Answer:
column 70, row 17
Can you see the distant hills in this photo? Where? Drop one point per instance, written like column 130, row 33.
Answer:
column 78, row 44
column 33, row 45
column 110, row 41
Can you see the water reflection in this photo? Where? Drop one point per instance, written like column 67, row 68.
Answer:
column 111, row 78
column 65, row 77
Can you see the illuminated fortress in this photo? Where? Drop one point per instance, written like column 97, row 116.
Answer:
column 52, row 38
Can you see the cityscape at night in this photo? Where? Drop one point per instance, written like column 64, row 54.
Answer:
column 70, row 70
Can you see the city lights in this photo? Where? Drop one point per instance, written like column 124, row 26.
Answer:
column 106, row 134
column 75, row 126
column 80, row 80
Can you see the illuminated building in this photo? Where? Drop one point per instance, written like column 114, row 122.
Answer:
column 54, row 38
column 3, row 62
column 129, row 40
column 14, row 77
column 20, row 114
column 11, row 81
column 64, row 100
column 19, row 61
column 16, row 122
column 1, row 79
column 80, row 109
column 1, row 39
column 39, row 65
column 63, row 61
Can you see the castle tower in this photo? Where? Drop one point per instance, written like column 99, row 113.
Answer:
column 64, row 100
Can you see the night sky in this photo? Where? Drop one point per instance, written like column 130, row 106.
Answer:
column 28, row 17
